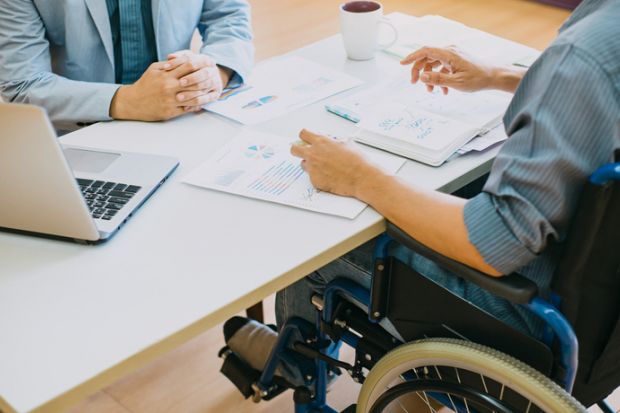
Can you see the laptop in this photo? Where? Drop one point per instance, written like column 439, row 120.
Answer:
column 69, row 192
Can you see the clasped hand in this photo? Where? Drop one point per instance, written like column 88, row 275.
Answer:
column 184, row 83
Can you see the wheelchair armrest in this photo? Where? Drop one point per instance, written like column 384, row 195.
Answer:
column 513, row 287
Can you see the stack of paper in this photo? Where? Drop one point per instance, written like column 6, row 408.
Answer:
column 437, row 31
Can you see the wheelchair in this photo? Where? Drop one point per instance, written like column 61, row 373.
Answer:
column 455, row 356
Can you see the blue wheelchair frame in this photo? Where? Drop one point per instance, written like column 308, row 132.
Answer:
column 558, row 328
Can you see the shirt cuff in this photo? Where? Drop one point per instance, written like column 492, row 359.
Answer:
column 493, row 239
column 104, row 101
column 240, row 62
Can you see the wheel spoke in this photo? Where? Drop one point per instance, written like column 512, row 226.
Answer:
column 484, row 384
column 486, row 389
column 425, row 400
column 458, row 378
column 402, row 407
column 466, row 405
column 399, row 402
column 447, row 394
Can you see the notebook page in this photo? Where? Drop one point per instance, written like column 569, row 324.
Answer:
column 416, row 127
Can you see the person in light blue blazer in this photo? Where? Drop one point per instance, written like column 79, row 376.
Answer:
column 95, row 60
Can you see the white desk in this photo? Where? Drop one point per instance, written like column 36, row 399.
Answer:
column 75, row 318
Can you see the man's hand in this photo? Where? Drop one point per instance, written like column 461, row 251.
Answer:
column 184, row 83
column 458, row 71
column 152, row 98
column 203, row 81
column 333, row 166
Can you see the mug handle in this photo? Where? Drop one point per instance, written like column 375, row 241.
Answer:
column 384, row 20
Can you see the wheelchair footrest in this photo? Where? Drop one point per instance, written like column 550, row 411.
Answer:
column 239, row 372
column 244, row 377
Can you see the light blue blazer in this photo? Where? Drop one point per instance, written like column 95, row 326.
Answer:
column 58, row 54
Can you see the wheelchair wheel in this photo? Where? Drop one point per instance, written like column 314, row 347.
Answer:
column 447, row 375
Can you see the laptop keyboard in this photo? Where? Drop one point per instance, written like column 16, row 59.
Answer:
column 105, row 199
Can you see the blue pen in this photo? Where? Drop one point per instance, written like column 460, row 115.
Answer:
column 343, row 113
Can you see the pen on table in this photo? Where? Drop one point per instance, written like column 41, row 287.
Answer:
column 343, row 113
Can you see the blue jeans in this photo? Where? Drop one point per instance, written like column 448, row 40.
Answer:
column 357, row 266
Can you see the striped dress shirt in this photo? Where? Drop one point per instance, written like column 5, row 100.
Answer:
column 133, row 37
column 563, row 123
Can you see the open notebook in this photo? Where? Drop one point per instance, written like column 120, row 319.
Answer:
column 428, row 127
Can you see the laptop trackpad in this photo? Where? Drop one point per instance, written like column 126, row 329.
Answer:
column 89, row 161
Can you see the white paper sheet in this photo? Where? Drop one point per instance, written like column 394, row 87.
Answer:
column 258, row 165
column 279, row 86
column 437, row 31
column 482, row 109
column 483, row 142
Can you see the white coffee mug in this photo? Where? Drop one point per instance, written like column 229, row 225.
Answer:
column 360, row 21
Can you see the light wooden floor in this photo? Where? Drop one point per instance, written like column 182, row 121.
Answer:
column 187, row 380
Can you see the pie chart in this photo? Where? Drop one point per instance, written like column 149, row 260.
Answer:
column 259, row 152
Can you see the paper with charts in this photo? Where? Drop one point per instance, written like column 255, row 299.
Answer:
column 427, row 126
column 279, row 86
column 260, row 166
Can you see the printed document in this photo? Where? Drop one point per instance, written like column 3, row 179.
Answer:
column 279, row 86
column 258, row 165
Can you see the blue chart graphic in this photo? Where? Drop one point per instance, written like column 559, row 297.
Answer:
column 228, row 178
column 421, row 127
column 259, row 102
column 259, row 152
column 234, row 92
column 277, row 179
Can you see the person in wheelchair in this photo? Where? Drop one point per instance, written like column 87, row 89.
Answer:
column 563, row 123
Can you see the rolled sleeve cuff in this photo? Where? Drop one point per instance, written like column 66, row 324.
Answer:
column 236, row 56
column 493, row 239
column 101, row 109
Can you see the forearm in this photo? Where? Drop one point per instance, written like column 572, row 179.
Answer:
column 228, row 35
column 433, row 218
column 67, row 102
column 507, row 79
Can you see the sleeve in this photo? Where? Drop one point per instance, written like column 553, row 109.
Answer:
column 560, row 126
column 227, row 36
column 26, row 75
